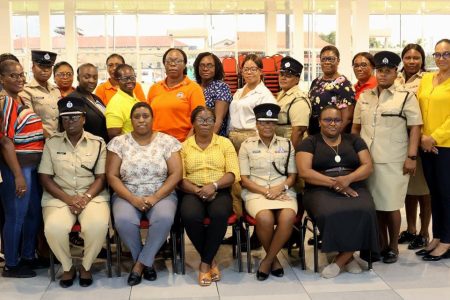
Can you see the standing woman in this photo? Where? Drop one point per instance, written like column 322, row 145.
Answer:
column 363, row 66
column 382, row 118
column 331, row 88
column 209, row 74
column 409, row 77
column 174, row 98
column 434, row 98
column 63, row 73
column 109, row 88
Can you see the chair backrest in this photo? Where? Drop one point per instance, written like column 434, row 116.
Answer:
column 268, row 64
column 277, row 58
column 229, row 65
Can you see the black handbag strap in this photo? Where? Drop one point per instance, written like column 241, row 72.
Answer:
column 286, row 164
column 96, row 160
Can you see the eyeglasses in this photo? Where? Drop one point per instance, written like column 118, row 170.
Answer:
column 127, row 78
column 336, row 121
column 444, row 55
column 73, row 118
column 111, row 65
column 174, row 61
column 286, row 74
column 250, row 69
column 208, row 121
column 206, row 66
column 17, row 76
column 361, row 65
column 64, row 74
column 330, row 59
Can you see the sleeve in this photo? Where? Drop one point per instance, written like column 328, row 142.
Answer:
column 151, row 93
column 231, row 160
column 26, row 98
column 442, row 134
column 244, row 165
column 346, row 94
column 100, row 168
column 357, row 111
column 223, row 92
column 292, row 167
column 172, row 145
column 197, row 98
column 46, row 164
column 139, row 92
column 412, row 111
column 300, row 112
column 358, row 143
column 114, row 118
column 115, row 145
column 307, row 145
column 183, row 157
column 268, row 98
column 100, row 92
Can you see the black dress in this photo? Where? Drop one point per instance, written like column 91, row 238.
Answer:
column 346, row 223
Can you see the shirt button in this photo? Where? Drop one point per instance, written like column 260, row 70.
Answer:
column 74, row 177
column 371, row 137
column 373, row 124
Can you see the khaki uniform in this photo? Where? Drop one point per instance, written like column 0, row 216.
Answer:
column 295, row 111
column 43, row 101
column 384, row 120
column 255, row 161
column 73, row 169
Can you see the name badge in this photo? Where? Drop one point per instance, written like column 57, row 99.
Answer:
column 280, row 150
column 256, row 151
column 62, row 153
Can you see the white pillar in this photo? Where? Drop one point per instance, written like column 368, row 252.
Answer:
column 6, row 36
column 298, row 40
column 360, row 26
column 70, row 32
column 271, row 27
column 344, row 36
column 44, row 23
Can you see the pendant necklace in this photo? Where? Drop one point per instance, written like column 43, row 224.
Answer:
column 337, row 157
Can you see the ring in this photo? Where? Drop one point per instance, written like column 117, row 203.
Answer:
column 337, row 188
column 143, row 207
column 145, row 202
column 23, row 190
column 75, row 211
column 204, row 197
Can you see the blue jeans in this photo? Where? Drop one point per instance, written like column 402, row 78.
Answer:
column 23, row 216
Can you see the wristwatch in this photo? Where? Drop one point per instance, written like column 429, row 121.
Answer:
column 216, row 186
column 88, row 195
column 286, row 187
column 412, row 157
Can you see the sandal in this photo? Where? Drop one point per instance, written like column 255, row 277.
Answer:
column 215, row 273
column 204, row 279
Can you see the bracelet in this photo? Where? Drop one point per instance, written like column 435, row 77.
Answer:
column 216, row 186
column 88, row 195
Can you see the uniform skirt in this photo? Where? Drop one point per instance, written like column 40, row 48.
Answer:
column 254, row 203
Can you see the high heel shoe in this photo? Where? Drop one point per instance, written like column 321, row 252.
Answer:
column 204, row 279
column 429, row 257
column 278, row 272
column 215, row 273
column 424, row 252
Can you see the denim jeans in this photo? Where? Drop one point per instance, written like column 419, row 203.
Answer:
column 23, row 216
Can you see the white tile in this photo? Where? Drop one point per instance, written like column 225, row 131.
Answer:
column 366, row 295
column 425, row 293
column 24, row 288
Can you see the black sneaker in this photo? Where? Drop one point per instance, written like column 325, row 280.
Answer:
column 419, row 242
column 390, row 257
column 406, row 237
column 19, row 271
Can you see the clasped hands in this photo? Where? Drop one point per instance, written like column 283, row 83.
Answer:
column 144, row 203
column 428, row 144
column 341, row 184
column 77, row 203
column 206, row 192
column 277, row 193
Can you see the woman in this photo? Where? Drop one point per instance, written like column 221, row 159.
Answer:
column 110, row 87
column 63, row 74
column 409, row 77
column 210, row 167
column 209, row 74
column 118, row 110
column 331, row 88
column 143, row 168
column 434, row 98
column 267, row 175
column 363, row 66
column 174, row 98
column 334, row 167
column 74, row 153
column 389, row 121
column 22, row 208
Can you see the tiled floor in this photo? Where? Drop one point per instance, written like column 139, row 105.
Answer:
column 409, row 278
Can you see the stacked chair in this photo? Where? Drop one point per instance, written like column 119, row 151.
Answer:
column 271, row 74
column 231, row 75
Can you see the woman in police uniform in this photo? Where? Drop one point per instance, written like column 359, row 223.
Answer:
column 382, row 117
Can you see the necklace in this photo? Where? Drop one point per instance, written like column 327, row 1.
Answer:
column 337, row 157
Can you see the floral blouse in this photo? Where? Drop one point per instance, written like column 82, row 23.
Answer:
column 144, row 168
column 218, row 90
column 338, row 92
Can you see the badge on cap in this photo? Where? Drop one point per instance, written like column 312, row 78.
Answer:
column 69, row 104
column 385, row 61
column 287, row 65
column 269, row 113
column 47, row 56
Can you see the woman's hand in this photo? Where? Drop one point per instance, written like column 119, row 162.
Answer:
column 21, row 185
column 207, row 192
column 140, row 203
column 409, row 167
column 75, row 210
column 341, row 183
column 150, row 200
column 428, row 144
column 274, row 192
column 349, row 192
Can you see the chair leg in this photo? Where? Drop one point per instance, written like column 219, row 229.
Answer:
column 249, row 250
column 237, row 232
column 52, row 266
column 118, row 253
column 173, row 237
column 301, row 249
column 316, row 249
column 370, row 261
column 108, row 255
column 234, row 245
column 182, row 252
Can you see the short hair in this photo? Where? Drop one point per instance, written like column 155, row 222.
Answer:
column 8, row 56
column 84, row 66
column 59, row 65
column 218, row 74
column 332, row 49
column 120, row 68
column 254, row 58
column 182, row 53
column 115, row 55
column 442, row 41
column 367, row 56
column 4, row 65
column 329, row 107
column 419, row 49
column 139, row 105
column 198, row 110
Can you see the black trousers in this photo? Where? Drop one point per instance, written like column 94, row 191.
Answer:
column 436, row 169
column 206, row 239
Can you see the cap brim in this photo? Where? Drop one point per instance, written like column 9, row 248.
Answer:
column 268, row 119
column 71, row 113
column 388, row 66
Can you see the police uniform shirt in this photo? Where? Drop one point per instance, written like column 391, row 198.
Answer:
column 412, row 85
column 384, row 122
column 73, row 167
column 296, row 103
column 43, row 101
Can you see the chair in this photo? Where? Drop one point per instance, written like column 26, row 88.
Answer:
column 233, row 221
column 77, row 228
column 277, row 58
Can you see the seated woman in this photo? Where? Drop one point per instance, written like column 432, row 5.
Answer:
column 143, row 168
column 267, row 175
column 72, row 172
column 210, row 168
column 334, row 167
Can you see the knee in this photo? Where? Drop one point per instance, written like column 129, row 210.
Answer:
column 55, row 230
column 264, row 218
column 191, row 215
column 94, row 228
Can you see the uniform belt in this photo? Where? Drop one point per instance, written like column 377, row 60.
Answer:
column 242, row 130
column 337, row 169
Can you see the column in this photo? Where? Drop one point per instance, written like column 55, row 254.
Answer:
column 44, row 23
column 71, row 32
column 344, row 36
column 360, row 26
column 6, row 36
column 298, row 37
column 271, row 27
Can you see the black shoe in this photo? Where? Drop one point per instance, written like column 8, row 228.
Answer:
column 228, row 241
column 418, row 242
column 85, row 282
column 429, row 257
column 278, row 272
column 134, row 278
column 384, row 252
column 364, row 255
column 68, row 282
column 406, row 237
column 390, row 257
column 150, row 273
column 19, row 271
column 423, row 252
column 261, row 276
column 36, row 263
column 103, row 254
column 75, row 239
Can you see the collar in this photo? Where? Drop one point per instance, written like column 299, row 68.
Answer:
column 390, row 89
column 292, row 90
column 402, row 76
column 66, row 138
column 371, row 82
column 109, row 86
column 272, row 142
column 190, row 142
column 34, row 83
column 184, row 82
column 125, row 95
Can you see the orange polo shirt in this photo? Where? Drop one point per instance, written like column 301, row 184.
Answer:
column 106, row 91
column 359, row 88
column 172, row 106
